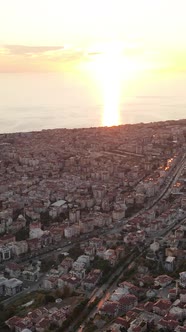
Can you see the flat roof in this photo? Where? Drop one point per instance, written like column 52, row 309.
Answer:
column 59, row 203
column 13, row 282
column 2, row 280
column 170, row 259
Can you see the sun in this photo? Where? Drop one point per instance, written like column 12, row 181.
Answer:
column 109, row 66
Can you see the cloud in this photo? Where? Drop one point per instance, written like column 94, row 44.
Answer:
column 26, row 50
column 21, row 58
column 45, row 52
column 38, row 58
column 4, row 51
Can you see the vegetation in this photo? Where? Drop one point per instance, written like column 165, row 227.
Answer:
column 47, row 264
column 75, row 252
column 45, row 219
column 5, row 315
column 39, row 299
column 16, row 213
column 104, row 266
column 60, row 258
column 90, row 327
column 22, row 234
column 101, row 264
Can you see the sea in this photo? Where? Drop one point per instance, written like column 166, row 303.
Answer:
column 36, row 101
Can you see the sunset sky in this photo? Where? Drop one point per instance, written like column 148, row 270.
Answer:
column 47, row 35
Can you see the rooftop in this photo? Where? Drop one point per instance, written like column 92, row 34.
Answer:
column 59, row 203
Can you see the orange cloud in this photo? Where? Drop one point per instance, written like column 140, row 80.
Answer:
column 19, row 58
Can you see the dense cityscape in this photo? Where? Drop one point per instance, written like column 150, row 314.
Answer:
column 93, row 229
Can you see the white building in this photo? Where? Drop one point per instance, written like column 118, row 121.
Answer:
column 154, row 246
column 5, row 253
column 78, row 273
column 183, row 279
column 69, row 232
column 84, row 259
column 20, row 248
column 31, row 273
column 35, row 233
column 13, row 286
column 56, row 208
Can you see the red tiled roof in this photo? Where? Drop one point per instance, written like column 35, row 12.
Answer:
column 110, row 307
column 168, row 323
column 12, row 321
column 162, row 304
column 44, row 323
column 137, row 329
column 182, row 329
column 127, row 299
column 148, row 306
column 13, row 266
column 20, row 325
column 131, row 315
column 122, row 321
column 35, row 314
column 163, row 278
column 34, row 241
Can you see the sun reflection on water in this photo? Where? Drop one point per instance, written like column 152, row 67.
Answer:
column 106, row 68
column 112, row 71
column 111, row 94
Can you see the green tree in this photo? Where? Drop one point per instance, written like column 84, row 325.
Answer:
column 75, row 252
column 45, row 218
column 47, row 264
column 22, row 234
column 60, row 257
column 66, row 291
column 101, row 264
column 49, row 298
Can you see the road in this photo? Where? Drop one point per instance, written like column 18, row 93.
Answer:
column 103, row 293
column 66, row 246
column 109, row 289
column 172, row 178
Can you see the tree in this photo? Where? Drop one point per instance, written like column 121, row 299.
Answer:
column 101, row 264
column 75, row 252
column 40, row 299
column 60, row 257
column 53, row 326
column 58, row 293
column 22, row 234
column 47, row 264
column 66, row 291
column 49, row 298
column 45, row 218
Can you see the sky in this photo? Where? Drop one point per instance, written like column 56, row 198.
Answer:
column 50, row 35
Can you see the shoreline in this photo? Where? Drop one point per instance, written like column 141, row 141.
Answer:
column 166, row 122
